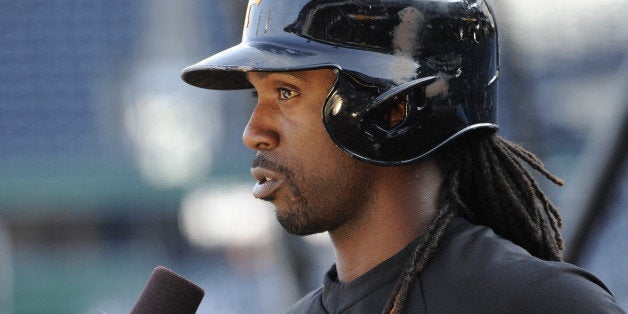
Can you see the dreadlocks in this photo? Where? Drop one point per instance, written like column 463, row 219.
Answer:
column 486, row 183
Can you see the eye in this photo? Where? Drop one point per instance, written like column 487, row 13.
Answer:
column 286, row 94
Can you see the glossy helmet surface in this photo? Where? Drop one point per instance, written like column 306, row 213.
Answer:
column 439, row 59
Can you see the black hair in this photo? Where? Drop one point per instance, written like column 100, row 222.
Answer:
column 485, row 182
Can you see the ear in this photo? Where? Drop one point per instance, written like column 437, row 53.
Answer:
column 396, row 114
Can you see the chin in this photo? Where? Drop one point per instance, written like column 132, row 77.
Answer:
column 296, row 224
column 299, row 229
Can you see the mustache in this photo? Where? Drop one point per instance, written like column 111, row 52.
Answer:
column 268, row 163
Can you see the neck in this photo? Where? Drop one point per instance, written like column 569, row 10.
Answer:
column 405, row 201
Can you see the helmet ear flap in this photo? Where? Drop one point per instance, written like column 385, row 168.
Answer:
column 374, row 126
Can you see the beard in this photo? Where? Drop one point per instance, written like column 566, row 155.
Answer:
column 301, row 218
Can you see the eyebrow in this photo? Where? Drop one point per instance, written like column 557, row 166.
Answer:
column 299, row 75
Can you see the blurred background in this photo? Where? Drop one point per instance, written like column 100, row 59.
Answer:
column 110, row 165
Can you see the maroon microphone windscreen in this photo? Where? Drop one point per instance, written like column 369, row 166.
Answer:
column 168, row 292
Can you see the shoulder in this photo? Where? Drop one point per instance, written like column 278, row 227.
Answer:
column 478, row 268
column 310, row 303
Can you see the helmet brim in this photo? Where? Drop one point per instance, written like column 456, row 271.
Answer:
column 227, row 70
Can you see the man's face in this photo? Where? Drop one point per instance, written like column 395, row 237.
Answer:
column 314, row 186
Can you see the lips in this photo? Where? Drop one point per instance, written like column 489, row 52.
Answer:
column 268, row 182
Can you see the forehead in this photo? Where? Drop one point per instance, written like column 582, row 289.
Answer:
column 305, row 76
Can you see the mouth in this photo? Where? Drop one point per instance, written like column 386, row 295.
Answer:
column 268, row 182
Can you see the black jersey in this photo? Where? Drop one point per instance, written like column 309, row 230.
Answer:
column 473, row 271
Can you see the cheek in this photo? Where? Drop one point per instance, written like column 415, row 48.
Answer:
column 318, row 146
column 306, row 134
column 307, row 143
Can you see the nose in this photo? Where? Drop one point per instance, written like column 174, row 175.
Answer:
column 260, row 133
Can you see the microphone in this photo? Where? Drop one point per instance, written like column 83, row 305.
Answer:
column 168, row 292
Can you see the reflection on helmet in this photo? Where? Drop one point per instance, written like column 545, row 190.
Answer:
column 437, row 58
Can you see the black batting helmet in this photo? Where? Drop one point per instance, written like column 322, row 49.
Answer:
column 438, row 58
